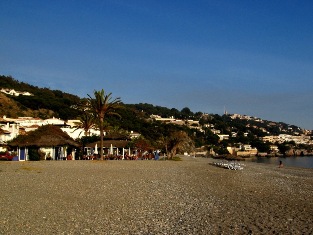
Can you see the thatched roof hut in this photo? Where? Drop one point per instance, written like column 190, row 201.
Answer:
column 45, row 136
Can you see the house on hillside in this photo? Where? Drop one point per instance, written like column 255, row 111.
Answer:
column 54, row 121
column 247, row 150
column 3, row 146
column 79, row 132
column 134, row 134
column 223, row 137
column 49, row 140
column 15, row 93
column 28, row 121
column 9, row 130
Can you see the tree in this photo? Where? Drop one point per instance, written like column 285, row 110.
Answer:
column 283, row 148
column 103, row 105
column 86, row 122
column 142, row 145
column 263, row 147
column 211, row 138
column 175, row 141
column 34, row 154
column 116, row 132
column 186, row 113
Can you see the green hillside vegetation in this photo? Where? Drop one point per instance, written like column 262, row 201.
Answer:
column 11, row 108
column 46, row 103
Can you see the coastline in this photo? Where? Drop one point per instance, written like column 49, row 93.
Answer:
column 294, row 161
column 154, row 197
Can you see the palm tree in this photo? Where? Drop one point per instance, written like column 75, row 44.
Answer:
column 86, row 122
column 103, row 105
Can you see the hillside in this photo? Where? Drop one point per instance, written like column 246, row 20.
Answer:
column 206, row 130
column 46, row 103
column 43, row 103
column 11, row 108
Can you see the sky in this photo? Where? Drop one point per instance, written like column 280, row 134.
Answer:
column 249, row 57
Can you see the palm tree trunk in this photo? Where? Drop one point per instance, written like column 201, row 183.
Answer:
column 101, row 139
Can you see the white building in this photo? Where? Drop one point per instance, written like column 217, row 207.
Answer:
column 15, row 93
column 223, row 137
column 79, row 132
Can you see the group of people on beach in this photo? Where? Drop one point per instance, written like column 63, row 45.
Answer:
column 146, row 156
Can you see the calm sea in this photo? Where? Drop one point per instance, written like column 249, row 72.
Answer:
column 306, row 162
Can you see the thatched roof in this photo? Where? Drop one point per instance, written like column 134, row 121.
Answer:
column 45, row 136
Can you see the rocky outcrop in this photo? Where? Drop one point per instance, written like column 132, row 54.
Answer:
column 298, row 152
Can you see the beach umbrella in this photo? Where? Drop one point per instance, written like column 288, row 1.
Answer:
column 111, row 149
column 96, row 149
column 58, row 155
column 61, row 153
column 123, row 154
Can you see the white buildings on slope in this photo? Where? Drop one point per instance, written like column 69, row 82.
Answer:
column 8, row 132
column 191, row 123
column 12, row 127
column 301, row 139
column 15, row 93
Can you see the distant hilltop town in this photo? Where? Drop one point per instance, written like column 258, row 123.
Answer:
column 298, row 135
column 287, row 134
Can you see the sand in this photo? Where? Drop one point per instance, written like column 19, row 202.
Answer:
column 154, row 197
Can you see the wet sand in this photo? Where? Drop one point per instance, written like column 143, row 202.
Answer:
column 154, row 197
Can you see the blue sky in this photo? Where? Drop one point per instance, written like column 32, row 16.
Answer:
column 252, row 57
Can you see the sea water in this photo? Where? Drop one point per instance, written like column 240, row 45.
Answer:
column 306, row 162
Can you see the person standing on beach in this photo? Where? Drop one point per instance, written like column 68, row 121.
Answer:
column 280, row 164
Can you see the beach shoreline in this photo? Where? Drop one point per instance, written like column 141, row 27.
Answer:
column 191, row 196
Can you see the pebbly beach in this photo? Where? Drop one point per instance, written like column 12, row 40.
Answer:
column 191, row 196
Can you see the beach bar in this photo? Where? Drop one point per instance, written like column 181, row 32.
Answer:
column 110, row 148
column 49, row 140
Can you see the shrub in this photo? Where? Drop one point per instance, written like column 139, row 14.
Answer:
column 34, row 154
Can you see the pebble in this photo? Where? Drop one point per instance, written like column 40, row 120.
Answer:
column 153, row 197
